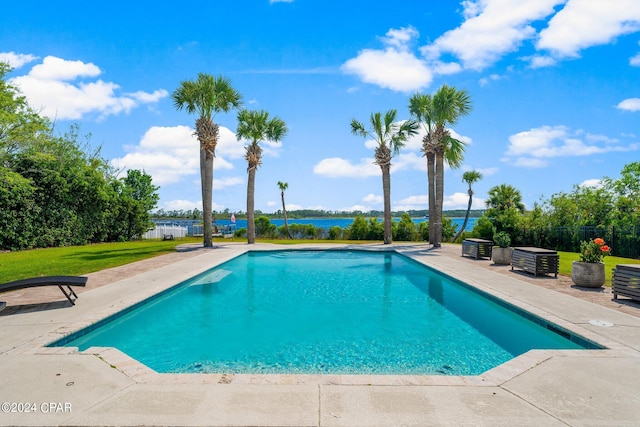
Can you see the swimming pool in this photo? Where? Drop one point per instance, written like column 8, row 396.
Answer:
column 340, row 312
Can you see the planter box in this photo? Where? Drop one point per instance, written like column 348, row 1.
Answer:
column 626, row 281
column 477, row 248
column 535, row 260
column 587, row 274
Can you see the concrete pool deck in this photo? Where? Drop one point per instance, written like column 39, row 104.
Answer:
column 59, row 386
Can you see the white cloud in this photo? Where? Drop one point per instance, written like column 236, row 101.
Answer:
column 412, row 202
column 394, row 67
column 454, row 201
column 353, row 208
column 484, row 171
column 585, row 23
column 185, row 205
column 336, row 167
column 630, row 104
column 16, row 60
column 485, row 80
column 461, row 201
column 492, row 28
column 170, row 154
column 55, row 88
column 219, row 184
column 595, row 183
column 373, row 199
column 488, row 171
column 531, row 148
column 539, row 61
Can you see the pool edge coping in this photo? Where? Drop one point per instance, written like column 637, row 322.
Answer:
column 140, row 373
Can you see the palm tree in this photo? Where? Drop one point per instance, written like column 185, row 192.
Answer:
column 504, row 207
column 256, row 126
column 206, row 96
column 283, row 186
column 469, row 177
column 435, row 112
column 390, row 137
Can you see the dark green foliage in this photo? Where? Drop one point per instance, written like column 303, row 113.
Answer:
column 376, row 229
column 335, row 233
column 405, row 230
column 448, row 229
column 359, row 229
column 483, row 228
column 54, row 191
column 264, row 228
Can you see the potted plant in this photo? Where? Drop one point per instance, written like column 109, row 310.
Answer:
column 501, row 253
column 589, row 271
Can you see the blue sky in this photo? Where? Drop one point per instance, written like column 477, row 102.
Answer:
column 555, row 87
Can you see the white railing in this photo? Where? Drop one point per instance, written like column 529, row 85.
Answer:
column 164, row 230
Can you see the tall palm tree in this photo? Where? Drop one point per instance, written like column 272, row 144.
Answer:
column 390, row 137
column 435, row 112
column 256, row 126
column 470, row 177
column 206, row 96
column 283, row 186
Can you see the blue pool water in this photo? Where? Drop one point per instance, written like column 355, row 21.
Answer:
column 322, row 312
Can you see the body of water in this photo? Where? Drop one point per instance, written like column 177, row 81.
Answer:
column 325, row 223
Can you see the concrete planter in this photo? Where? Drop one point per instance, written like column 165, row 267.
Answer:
column 588, row 274
column 501, row 255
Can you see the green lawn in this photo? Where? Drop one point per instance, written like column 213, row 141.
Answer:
column 79, row 260
column 566, row 258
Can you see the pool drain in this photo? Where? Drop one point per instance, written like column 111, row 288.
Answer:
column 603, row 323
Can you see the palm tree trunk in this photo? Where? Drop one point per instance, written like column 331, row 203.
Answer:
column 432, row 193
column 466, row 217
column 284, row 213
column 386, row 191
column 207, row 195
column 439, row 186
column 251, row 190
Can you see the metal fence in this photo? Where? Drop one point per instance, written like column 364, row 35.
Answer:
column 624, row 241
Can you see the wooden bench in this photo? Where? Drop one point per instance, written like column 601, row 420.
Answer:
column 167, row 237
column 626, row 281
column 535, row 260
column 477, row 248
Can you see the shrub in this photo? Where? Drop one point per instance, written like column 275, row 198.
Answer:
column 502, row 239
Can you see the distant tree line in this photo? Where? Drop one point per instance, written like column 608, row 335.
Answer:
column 306, row 213
column 56, row 190
column 360, row 229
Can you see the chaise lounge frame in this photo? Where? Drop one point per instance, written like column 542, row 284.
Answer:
column 60, row 281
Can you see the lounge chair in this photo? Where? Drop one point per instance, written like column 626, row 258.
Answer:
column 59, row 281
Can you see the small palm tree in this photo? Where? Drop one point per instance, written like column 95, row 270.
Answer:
column 206, row 96
column 470, row 177
column 283, row 186
column 435, row 112
column 390, row 137
column 256, row 126
column 504, row 207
